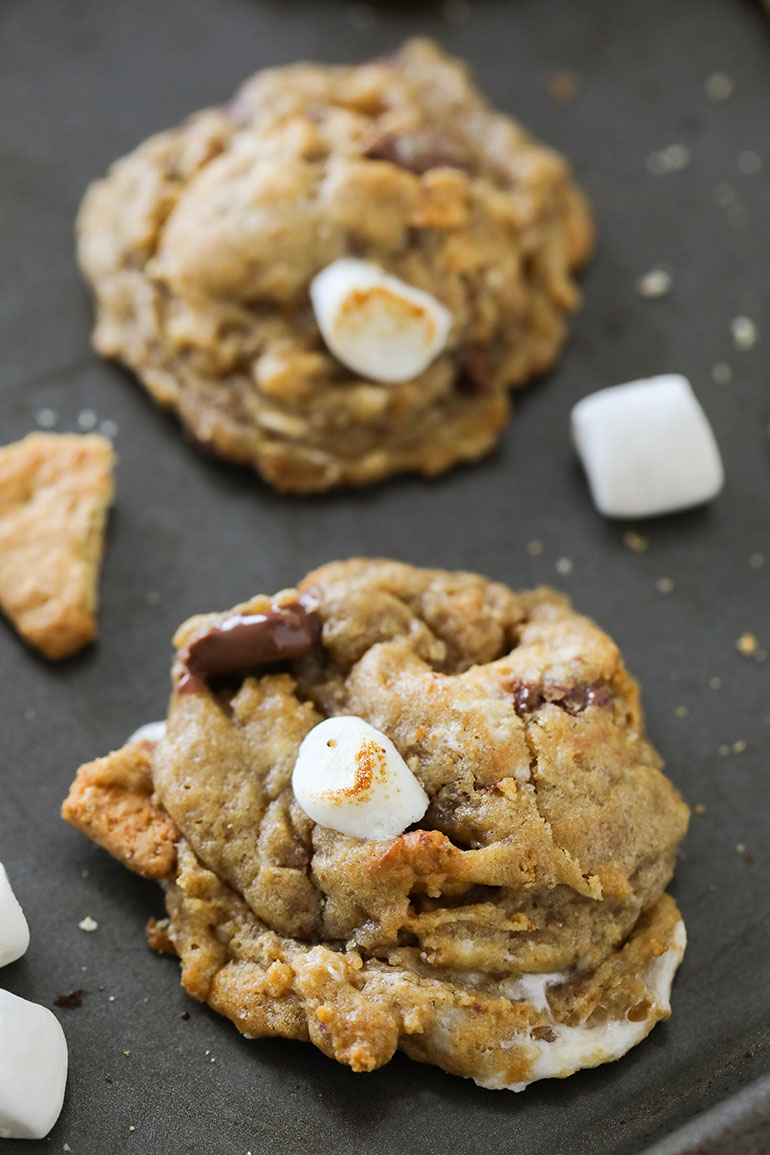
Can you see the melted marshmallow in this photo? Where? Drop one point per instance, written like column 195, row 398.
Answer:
column 149, row 732
column 577, row 1047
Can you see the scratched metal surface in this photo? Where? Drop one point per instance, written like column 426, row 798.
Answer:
column 80, row 83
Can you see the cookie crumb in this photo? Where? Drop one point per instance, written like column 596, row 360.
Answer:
column 46, row 418
column 152, row 598
column 654, row 284
column 71, row 1001
column 740, row 848
column 636, row 542
column 563, row 86
column 564, row 565
column 66, row 1147
column 747, row 645
column 87, row 420
column 744, row 332
column 699, row 808
column 715, row 683
column 88, row 924
column 722, row 373
column 749, row 162
column 719, row 86
column 535, row 548
column 739, row 746
column 725, row 194
column 748, row 857
column 664, row 585
column 108, row 428
column 132, row 1128
column 756, row 560
column 126, row 1053
column 681, row 711
column 672, row 158
column 724, row 749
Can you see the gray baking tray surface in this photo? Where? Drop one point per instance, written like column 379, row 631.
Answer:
column 83, row 81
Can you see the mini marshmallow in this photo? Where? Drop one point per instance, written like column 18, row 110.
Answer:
column 350, row 777
column 647, row 447
column 14, row 932
column 149, row 732
column 375, row 323
column 33, row 1068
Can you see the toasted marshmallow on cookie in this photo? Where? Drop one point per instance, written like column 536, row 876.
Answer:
column 375, row 323
column 350, row 777
column 33, row 1068
column 14, row 932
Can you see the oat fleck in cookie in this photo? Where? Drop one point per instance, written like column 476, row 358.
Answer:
column 510, row 924
column 55, row 490
column 449, row 236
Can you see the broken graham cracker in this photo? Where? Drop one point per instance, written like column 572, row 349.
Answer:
column 111, row 802
column 55, row 490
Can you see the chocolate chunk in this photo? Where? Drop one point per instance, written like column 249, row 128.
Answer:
column 71, row 1001
column 245, row 640
column 421, row 150
column 476, row 370
column 531, row 696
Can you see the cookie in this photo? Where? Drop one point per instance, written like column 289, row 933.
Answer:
column 517, row 929
column 201, row 247
column 55, row 490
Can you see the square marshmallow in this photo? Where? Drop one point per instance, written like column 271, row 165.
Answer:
column 647, row 447
column 14, row 932
column 33, row 1068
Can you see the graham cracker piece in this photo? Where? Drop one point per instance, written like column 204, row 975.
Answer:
column 111, row 802
column 55, row 490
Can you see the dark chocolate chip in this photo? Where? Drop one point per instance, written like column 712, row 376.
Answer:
column 420, row 150
column 531, row 696
column 244, row 640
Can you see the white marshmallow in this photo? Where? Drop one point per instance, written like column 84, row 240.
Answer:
column 14, row 932
column 375, row 323
column 33, row 1068
column 350, row 777
column 647, row 447
column 149, row 732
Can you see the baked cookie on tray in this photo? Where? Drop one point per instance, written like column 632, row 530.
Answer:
column 449, row 237
column 399, row 808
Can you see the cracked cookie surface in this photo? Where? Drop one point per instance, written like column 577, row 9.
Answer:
column 519, row 930
column 200, row 247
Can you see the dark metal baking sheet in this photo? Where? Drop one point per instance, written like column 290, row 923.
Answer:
column 81, row 81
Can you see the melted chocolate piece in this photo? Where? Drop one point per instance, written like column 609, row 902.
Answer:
column 531, row 696
column 421, row 150
column 244, row 640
